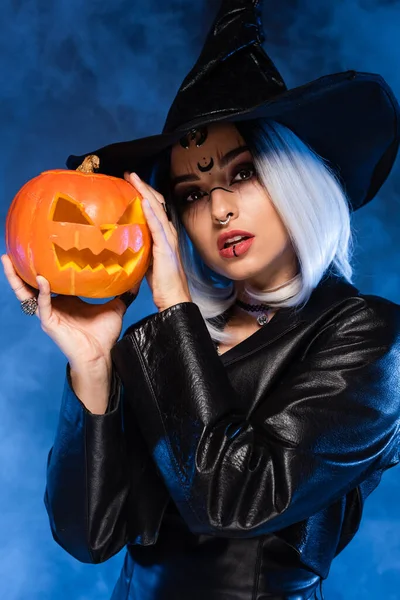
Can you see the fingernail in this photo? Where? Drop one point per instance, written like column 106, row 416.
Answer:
column 135, row 176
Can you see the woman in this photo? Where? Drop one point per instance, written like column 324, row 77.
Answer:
column 243, row 475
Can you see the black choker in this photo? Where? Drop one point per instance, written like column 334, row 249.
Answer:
column 261, row 319
column 253, row 307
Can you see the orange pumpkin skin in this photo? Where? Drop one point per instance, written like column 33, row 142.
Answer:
column 85, row 233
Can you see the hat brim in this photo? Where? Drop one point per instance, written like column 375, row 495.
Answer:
column 350, row 119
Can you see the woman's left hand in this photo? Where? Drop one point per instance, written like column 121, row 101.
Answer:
column 165, row 275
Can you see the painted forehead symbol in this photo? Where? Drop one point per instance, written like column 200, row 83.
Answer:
column 198, row 135
column 207, row 167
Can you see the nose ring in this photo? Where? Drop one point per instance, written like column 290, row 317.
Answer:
column 225, row 222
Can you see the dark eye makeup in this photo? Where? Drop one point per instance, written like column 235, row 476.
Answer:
column 194, row 193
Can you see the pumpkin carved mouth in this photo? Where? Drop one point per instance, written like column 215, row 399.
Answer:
column 81, row 260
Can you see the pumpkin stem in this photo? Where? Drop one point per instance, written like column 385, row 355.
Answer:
column 90, row 163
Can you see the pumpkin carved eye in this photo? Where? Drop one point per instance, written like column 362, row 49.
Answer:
column 68, row 211
column 128, row 217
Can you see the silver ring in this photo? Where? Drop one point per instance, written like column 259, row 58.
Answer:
column 165, row 207
column 29, row 306
column 225, row 222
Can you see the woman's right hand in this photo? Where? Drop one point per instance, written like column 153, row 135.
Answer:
column 84, row 332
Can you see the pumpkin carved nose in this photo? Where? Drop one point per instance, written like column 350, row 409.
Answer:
column 107, row 230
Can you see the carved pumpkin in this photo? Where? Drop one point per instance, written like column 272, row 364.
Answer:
column 85, row 232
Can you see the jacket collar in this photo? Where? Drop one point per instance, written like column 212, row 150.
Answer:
column 331, row 291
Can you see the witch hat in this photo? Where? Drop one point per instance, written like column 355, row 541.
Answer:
column 351, row 119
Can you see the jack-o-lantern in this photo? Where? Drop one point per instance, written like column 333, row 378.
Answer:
column 85, row 232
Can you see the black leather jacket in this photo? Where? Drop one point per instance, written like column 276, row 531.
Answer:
column 238, row 476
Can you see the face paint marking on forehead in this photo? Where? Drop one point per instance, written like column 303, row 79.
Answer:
column 207, row 167
column 198, row 135
column 223, row 144
column 223, row 162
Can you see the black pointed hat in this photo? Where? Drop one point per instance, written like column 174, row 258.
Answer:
column 351, row 119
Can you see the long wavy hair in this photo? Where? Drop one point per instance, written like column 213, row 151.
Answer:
column 312, row 204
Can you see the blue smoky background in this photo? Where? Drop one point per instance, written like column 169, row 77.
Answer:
column 79, row 75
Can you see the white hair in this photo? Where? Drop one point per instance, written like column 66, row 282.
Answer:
column 313, row 207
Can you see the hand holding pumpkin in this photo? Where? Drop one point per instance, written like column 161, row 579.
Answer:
column 84, row 332
column 165, row 275
column 89, row 234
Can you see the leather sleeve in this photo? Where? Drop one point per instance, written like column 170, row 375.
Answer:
column 313, row 437
column 102, row 488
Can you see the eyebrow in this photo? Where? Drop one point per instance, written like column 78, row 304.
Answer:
column 223, row 162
